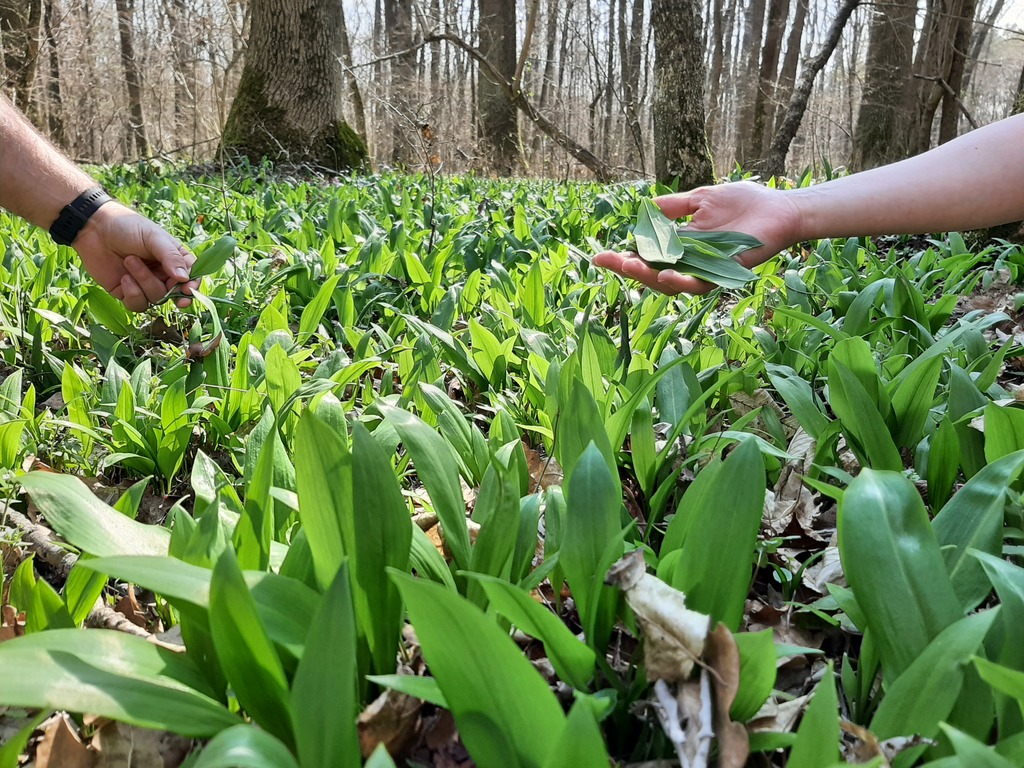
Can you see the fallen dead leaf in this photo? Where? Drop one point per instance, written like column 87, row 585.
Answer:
column 674, row 636
column 392, row 719
column 723, row 657
column 129, row 607
column 60, row 746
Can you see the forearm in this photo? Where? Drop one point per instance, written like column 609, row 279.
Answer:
column 972, row 182
column 36, row 180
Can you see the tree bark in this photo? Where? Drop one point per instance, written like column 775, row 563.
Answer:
column 764, row 98
column 358, row 108
column 20, row 23
column 717, row 43
column 497, row 121
column 790, row 63
column 680, row 144
column 133, row 79
column 398, row 20
column 883, row 113
column 55, row 106
column 776, row 163
column 952, row 106
column 288, row 104
column 753, row 21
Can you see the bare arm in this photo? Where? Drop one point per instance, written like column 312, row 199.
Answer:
column 972, row 182
column 130, row 256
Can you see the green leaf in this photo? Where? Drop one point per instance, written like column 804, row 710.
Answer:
column 695, row 253
column 912, row 399
column 314, row 311
column 858, row 412
column 582, row 743
column 592, row 542
column 246, row 654
column 716, row 527
column 973, row 519
column 437, row 468
column 817, row 740
column 323, row 476
column 12, row 750
column 213, row 258
column 1004, row 431
column 81, row 591
column 758, row 661
column 924, row 694
column 494, row 692
column 573, row 661
column 943, row 462
column 383, row 538
column 379, row 759
column 325, row 701
column 972, row 752
column 1009, row 682
column 112, row 674
column 86, row 522
column 798, row 395
column 893, row 564
column 245, row 746
column 419, row 687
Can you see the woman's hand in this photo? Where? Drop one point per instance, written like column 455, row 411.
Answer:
column 744, row 206
column 133, row 258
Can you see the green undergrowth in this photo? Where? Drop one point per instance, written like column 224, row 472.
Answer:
column 827, row 463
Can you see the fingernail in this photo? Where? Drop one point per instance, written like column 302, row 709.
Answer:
column 181, row 274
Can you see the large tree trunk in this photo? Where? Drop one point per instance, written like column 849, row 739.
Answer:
column 717, row 43
column 186, row 91
column 784, row 136
column 764, row 98
column 680, row 143
column 55, row 106
column 790, row 63
column 398, row 20
column 19, row 30
column 883, row 116
column 133, row 79
column 952, row 106
column 746, row 90
column 288, row 104
column 497, row 118
column 630, row 52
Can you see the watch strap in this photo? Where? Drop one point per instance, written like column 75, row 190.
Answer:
column 75, row 214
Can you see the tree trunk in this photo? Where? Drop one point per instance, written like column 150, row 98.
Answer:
column 136, row 121
column 680, row 145
column 981, row 36
column 289, row 99
column 55, row 107
column 790, row 62
column 883, row 114
column 402, row 115
column 630, row 52
column 1017, row 107
column 20, row 23
column 952, row 106
column 186, row 122
column 776, row 163
column 497, row 119
column 717, row 44
column 764, row 98
column 358, row 108
column 753, row 21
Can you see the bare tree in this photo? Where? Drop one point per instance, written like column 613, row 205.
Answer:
column 133, row 79
column 19, row 30
column 497, row 117
column 289, row 99
column 680, row 144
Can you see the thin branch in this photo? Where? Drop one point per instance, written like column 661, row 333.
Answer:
column 953, row 95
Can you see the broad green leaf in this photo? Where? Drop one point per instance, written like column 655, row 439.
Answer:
column 417, row 686
column 582, row 743
column 494, row 692
column 437, row 468
column 924, row 694
column 382, row 540
column 893, row 564
column 817, row 740
column 214, row 258
column 973, row 519
column 325, row 699
column 758, row 660
column 314, row 311
column 86, row 522
column 323, row 476
column 12, row 750
column 426, row 561
column 798, row 395
column 592, row 526
column 1009, row 682
column 246, row 653
column 943, row 462
column 716, row 527
column 245, row 746
column 658, row 243
column 498, row 510
column 912, row 400
column 81, row 591
column 379, row 759
column 573, row 660
column 861, row 420
column 102, row 672
column 972, row 752
column 581, row 424
column 1004, row 431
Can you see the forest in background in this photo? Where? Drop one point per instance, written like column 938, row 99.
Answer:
column 119, row 80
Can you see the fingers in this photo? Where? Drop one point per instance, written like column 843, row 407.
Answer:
column 170, row 254
column 677, row 205
column 132, row 295
column 665, row 280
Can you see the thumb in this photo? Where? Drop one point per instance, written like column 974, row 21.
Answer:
column 169, row 253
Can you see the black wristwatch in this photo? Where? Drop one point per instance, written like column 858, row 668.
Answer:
column 76, row 213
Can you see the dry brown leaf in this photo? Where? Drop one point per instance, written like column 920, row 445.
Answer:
column 544, row 470
column 60, row 746
column 778, row 717
column 674, row 636
column 723, row 657
column 12, row 623
column 392, row 719
column 827, row 569
column 129, row 607
column 121, row 746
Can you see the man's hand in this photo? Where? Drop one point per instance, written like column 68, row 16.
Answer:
column 745, row 206
column 133, row 258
